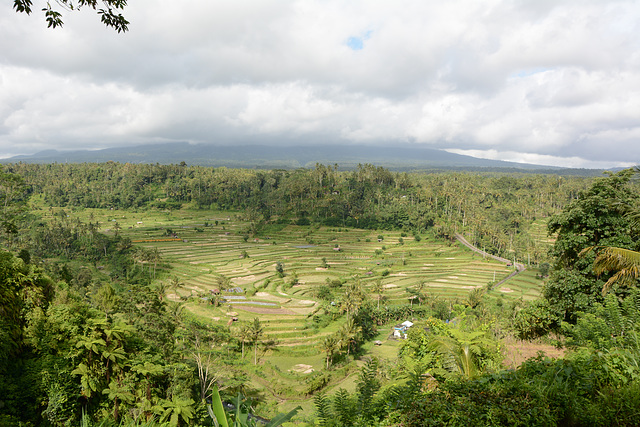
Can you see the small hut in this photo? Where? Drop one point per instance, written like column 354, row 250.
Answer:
column 400, row 331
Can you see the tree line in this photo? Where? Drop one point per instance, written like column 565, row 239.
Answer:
column 449, row 373
column 495, row 211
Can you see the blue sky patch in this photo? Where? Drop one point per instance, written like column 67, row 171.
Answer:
column 357, row 42
column 529, row 72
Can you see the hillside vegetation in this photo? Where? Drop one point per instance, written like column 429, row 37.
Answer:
column 131, row 293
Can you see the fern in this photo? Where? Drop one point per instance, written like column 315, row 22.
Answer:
column 323, row 409
column 366, row 386
column 613, row 315
column 343, row 407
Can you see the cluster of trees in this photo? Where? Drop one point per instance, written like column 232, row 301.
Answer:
column 602, row 217
column 87, row 333
column 92, row 332
column 494, row 211
column 116, row 352
column 108, row 349
column 449, row 373
column 364, row 315
column 119, row 353
column 252, row 333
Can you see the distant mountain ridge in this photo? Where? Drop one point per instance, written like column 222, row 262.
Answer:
column 284, row 157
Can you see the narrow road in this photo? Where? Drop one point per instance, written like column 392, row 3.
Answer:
column 519, row 267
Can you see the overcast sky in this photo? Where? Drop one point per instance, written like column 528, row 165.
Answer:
column 541, row 81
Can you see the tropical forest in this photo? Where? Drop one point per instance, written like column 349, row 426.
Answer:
column 179, row 295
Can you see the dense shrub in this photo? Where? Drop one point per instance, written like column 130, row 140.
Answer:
column 583, row 389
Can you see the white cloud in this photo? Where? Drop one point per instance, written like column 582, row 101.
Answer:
column 551, row 79
column 542, row 159
column 299, row 110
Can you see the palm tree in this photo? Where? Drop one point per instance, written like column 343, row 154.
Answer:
column 354, row 295
column 413, row 295
column 625, row 262
column 243, row 336
column 216, row 299
column 256, row 332
column 155, row 256
column 349, row 334
column 378, row 288
column 330, row 345
column 223, row 282
column 176, row 312
column 106, row 299
column 474, row 297
column 161, row 290
column 176, row 283
column 462, row 351
column 420, row 286
column 348, row 305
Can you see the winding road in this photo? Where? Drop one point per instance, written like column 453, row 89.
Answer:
column 519, row 267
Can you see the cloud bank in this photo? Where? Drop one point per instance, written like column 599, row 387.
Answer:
column 549, row 82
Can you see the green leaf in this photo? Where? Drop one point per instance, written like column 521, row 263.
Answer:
column 283, row 418
column 219, row 416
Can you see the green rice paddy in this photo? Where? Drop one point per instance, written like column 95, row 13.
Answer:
column 210, row 252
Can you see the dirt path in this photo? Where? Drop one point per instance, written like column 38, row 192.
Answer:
column 519, row 267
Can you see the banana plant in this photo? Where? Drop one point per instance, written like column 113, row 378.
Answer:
column 241, row 418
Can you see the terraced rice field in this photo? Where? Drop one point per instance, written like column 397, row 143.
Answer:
column 201, row 259
column 208, row 257
column 539, row 233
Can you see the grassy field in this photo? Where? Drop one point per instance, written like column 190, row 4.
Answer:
column 209, row 251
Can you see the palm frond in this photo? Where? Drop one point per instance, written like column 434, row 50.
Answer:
column 625, row 262
column 457, row 356
column 612, row 258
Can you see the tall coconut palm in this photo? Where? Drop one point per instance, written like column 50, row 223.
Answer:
column 330, row 345
column 348, row 305
column 243, row 335
column 176, row 284
column 256, row 333
column 156, row 257
column 353, row 297
column 350, row 335
column 378, row 288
